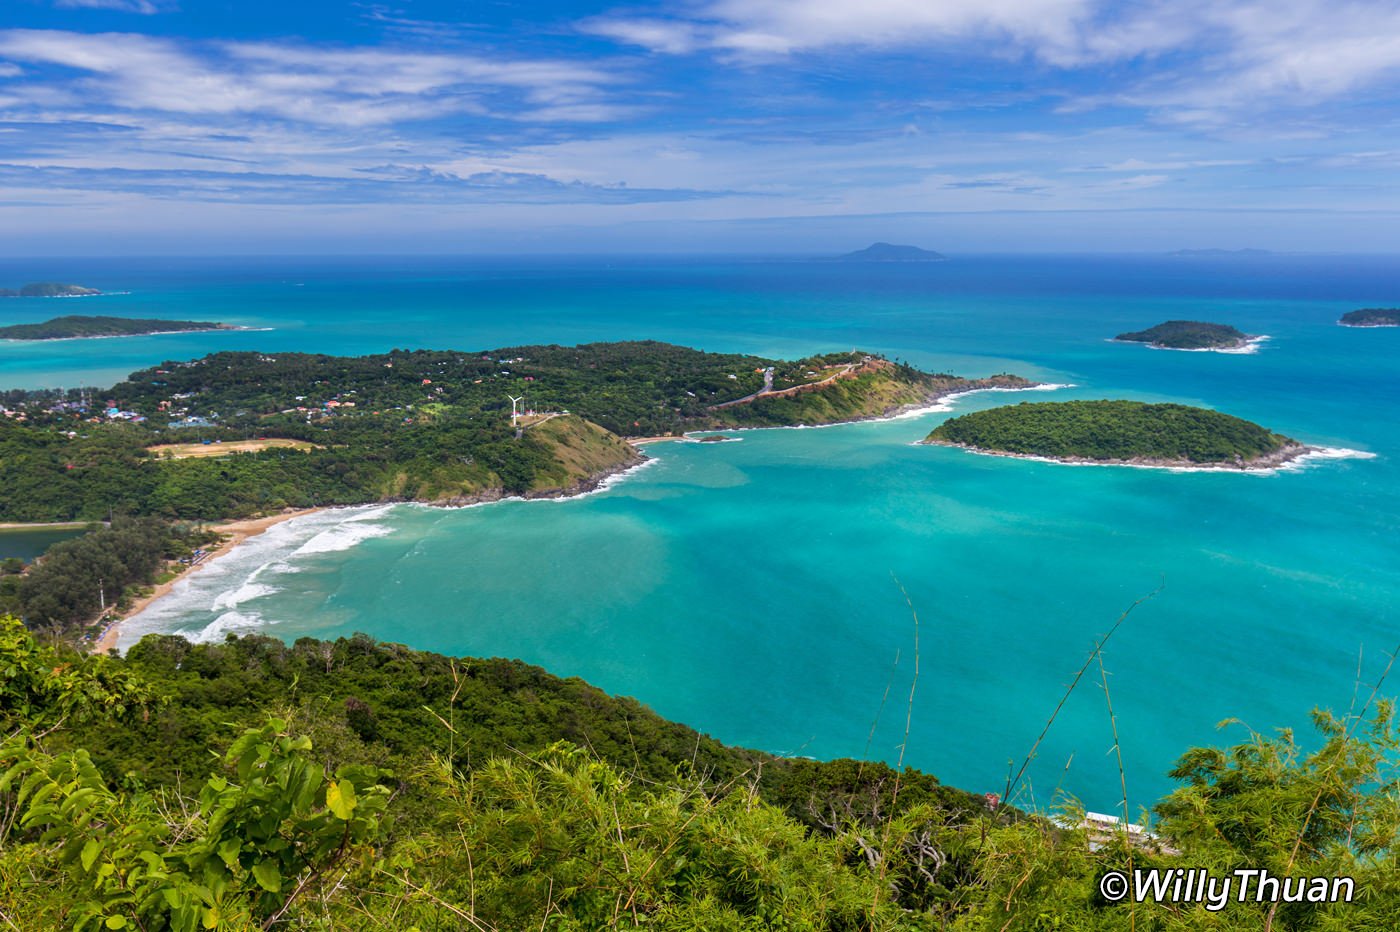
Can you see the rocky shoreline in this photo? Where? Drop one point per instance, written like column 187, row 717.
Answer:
column 582, row 486
column 1280, row 457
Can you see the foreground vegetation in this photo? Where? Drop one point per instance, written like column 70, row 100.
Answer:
column 362, row 786
column 1188, row 335
column 74, row 326
column 1117, row 432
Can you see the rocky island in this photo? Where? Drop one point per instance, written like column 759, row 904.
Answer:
column 1192, row 335
column 890, row 252
column 1372, row 317
column 77, row 327
column 49, row 290
column 1128, row 433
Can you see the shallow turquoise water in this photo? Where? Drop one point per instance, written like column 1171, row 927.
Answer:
column 749, row 588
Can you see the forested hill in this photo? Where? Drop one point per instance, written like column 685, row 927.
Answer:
column 1119, row 432
column 352, row 786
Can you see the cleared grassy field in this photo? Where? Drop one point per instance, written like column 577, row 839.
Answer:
column 182, row 450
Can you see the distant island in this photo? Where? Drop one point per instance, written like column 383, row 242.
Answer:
column 48, row 290
column 889, row 252
column 1130, row 433
column 1220, row 252
column 76, row 327
column 1372, row 317
column 1191, row 335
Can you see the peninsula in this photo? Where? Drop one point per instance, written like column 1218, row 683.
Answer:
column 1190, row 335
column 1130, row 433
column 239, row 434
column 77, row 327
column 890, row 252
column 1372, row 317
column 49, row 290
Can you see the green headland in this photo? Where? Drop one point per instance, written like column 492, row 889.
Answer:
column 1119, row 432
column 237, row 435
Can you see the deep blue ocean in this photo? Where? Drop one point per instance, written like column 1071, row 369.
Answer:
column 752, row 589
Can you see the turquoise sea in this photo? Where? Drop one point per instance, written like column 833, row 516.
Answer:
column 752, row 589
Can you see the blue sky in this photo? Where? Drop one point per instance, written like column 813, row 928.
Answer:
column 714, row 125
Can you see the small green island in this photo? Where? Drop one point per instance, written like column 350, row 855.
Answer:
column 892, row 252
column 1191, row 335
column 49, row 290
column 1372, row 317
column 78, row 327
column 1131, row 433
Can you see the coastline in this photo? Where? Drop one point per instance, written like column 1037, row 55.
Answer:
column 44, row 525
column 1247, row 348
column 236, row 532
column 239, row 531
column 1286, row 456
column 123, row 336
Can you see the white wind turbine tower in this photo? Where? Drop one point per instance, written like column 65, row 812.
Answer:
column 514, row 409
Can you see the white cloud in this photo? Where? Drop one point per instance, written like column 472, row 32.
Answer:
column 1210, row 56
column 144, row 7
column 356, row 87
column 8, row 70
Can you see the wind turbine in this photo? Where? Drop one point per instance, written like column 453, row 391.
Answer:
column 514, row 411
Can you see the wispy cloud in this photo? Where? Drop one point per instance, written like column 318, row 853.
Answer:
column 344, row 87
column 1198, row 55
column 144, row 7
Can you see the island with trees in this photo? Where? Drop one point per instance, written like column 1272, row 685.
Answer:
column 293, row 431
column 891, row 252
column 1131, row 433
column 48, row 290
column 80, row 327
column 1372, row 317
column 1191, row 335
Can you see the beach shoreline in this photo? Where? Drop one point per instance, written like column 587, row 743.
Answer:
column 127, row 336
column 1246, row 347
column 1279, row 459
column 45, row 525
column 239, row 531
column 235, row 533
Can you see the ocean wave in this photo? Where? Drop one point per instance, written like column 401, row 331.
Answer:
column 226, row 624
column 251, row 570
column 232, row 598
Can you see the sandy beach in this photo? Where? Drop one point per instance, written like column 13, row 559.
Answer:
column 234, row 533
column 640, row 441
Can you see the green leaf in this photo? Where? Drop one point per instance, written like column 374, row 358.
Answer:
column 268, row 876
column 211, row 918
column 115, row 922
column 90, row 852
column 340, row 799
column 228, row 852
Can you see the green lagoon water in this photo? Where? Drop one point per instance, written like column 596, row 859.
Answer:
column 749, row 588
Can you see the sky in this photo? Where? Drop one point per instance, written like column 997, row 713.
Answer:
column 745, row 126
